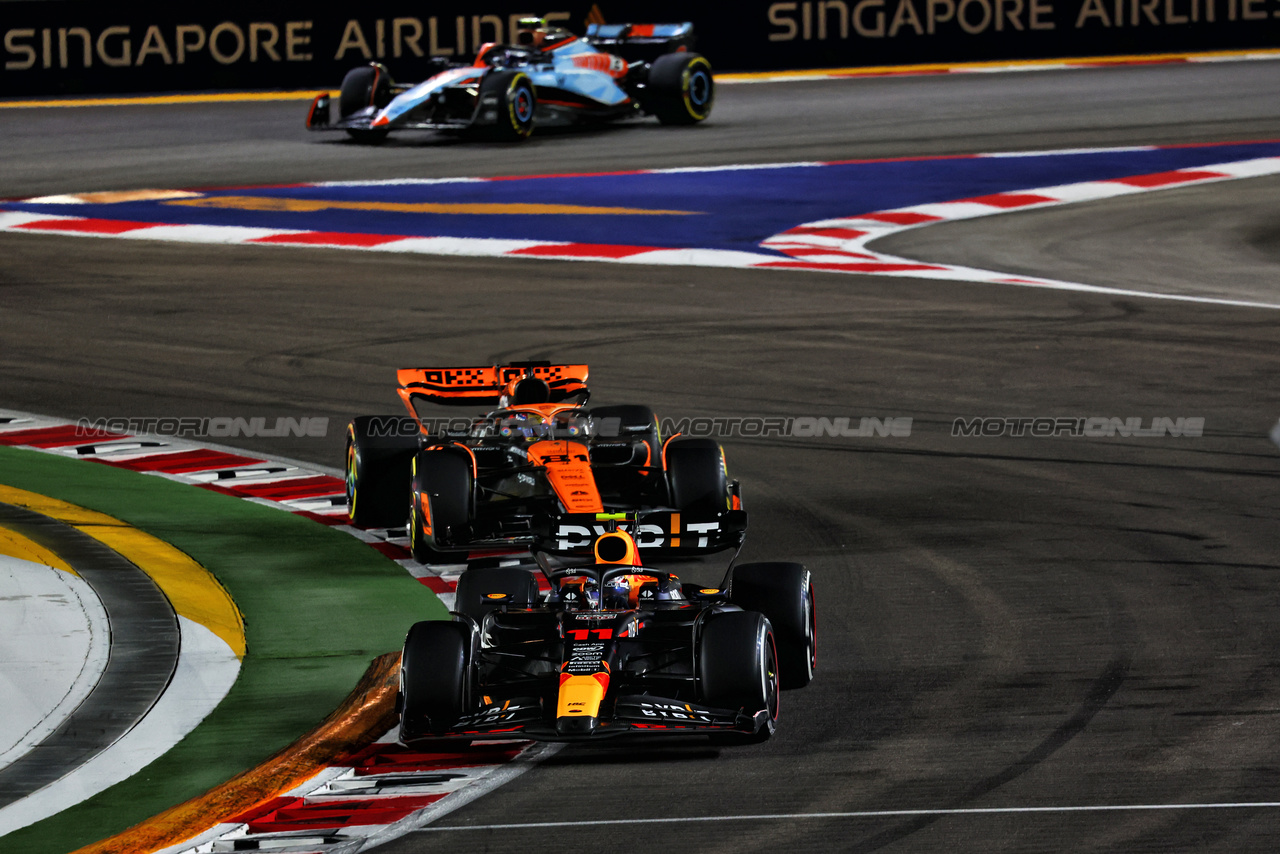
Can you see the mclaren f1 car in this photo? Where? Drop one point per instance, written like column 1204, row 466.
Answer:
column 615, row 72
column 613, row 648
column 535, row 471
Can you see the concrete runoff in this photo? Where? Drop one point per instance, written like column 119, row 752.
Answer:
column 310, row 633
column 144, row 653
column 54, row 641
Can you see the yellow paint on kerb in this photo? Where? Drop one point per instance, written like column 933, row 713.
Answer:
column 1002, row 65
column 142, row 100
column 1012, row 65
column 14, row 544
column 286, row 205
column 190, row 588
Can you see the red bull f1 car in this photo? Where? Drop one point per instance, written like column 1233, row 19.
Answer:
column 534, row 472
column 615, row 72
column 615, row 648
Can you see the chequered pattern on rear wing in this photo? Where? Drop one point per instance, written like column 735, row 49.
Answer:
column 482, row 386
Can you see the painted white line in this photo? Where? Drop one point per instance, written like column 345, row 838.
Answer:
column 802, row 249
column 807, row 246
column 1246, row 168
column 202, row 233
column 827, row 816
column 15, row 219
column 395, row 182
column 333, row 782
column 420, row 820
column 207, row 668
column 54, row 645
column 1087, row 191
column 953, row 210
column 1055, row 151
column 205, row 842
column 57, row 200
column 470, row 246
column 22, row 420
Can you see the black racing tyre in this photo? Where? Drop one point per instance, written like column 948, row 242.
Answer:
column 433, row 678
column 514, row 100
column 680, row 89
column 380, row 451
column 737, row 666
column 478, row 582
column 633, row 422
column 783, row 592
column 696, row 476
column 441, row 487
column 366, row 86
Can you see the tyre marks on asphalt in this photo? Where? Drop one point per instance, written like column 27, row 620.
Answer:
column 1100, row 692
column 979, row 643
column 143, row 655
column 372, row 790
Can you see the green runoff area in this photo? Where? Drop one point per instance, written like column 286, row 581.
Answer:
column 318, row 606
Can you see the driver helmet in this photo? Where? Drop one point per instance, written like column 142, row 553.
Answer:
column 520, row 425
column 573, row 424
column 579, row 593
column 538, row 34
column 630, row 591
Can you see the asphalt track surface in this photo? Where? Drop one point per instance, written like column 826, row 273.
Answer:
column 143, row 655
column 1006, row 622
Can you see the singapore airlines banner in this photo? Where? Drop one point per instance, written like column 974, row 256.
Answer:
column 72, row 46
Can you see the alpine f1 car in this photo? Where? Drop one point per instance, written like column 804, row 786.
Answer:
column 615, row 72
column 535, row 471
column 614, row 648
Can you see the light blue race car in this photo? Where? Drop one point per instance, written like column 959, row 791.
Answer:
column 554, row 79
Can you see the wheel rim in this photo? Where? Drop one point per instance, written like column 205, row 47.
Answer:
column 352, row 464
column 413, row 524
column 811, row 627
column 522, row 105
column 770, row 676
column 699, row 89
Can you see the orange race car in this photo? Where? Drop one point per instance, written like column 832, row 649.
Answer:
column 535, row 471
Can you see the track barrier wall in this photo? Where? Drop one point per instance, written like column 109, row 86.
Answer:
column 77, row 47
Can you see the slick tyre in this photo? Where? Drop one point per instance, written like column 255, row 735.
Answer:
column 379, row 456
column 441, row 492
column 366, row 86
column 433, row 678
column 681, row 90
column 783, row 592
column 696, row 476
column 512, row 96
column 479, row 585
column 738, row 666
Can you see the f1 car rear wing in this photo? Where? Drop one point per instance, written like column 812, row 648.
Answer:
column 486, row 385
column 659, row 533
column 640, row 42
